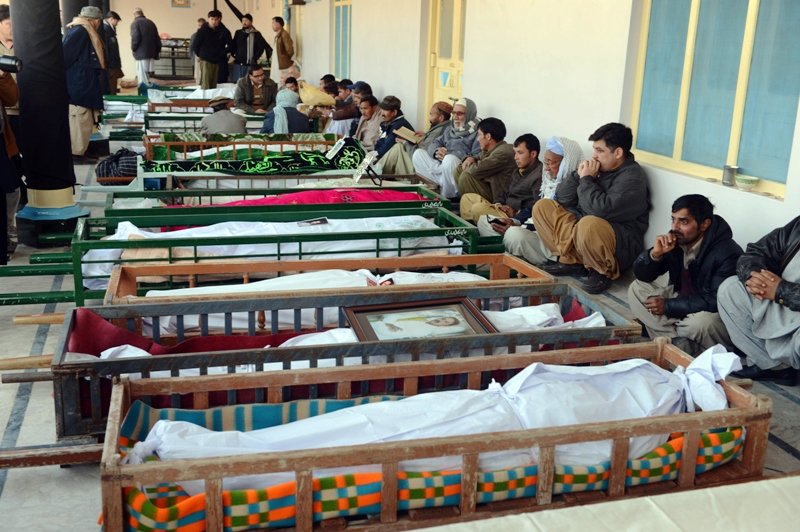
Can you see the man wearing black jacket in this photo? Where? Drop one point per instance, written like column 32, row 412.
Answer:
column 113, row 60
column 699, row 253
column 247, row 47
column 760, row 305
column 211, row 45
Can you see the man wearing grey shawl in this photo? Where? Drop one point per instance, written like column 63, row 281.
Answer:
column 284, row 117
column 561, row 157
column 439, row 161
column 760, row 306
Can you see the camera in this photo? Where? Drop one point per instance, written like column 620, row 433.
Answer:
column 10, row 63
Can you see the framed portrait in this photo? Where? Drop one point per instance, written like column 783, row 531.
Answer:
column 435, row 318
column 181, row 3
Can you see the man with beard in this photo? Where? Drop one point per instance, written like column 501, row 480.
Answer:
column 699, row 253
column 398, row 159
column 458, row 141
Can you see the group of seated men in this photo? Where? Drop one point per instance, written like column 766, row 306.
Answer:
column 588, row 217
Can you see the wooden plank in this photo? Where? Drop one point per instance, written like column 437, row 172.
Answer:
column 304, row 520
column 545, row 475
column 214, row 514
column 58, row 454
column 52, row 318
column 469, row 483
column 27, row 376
column 619, row 467
column 389, row 492
column 689, row 459
column 29, row 362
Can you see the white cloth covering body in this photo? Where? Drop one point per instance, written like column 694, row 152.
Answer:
column 541, row 395
column 319, row 280
column 99, row 262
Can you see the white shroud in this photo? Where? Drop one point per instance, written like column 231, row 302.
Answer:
column 541, row 395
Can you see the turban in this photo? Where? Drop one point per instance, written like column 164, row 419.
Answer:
column 554, row 145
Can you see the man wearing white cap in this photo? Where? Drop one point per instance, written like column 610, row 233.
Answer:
column 440, row 159
column 561, row 157
column 85, row 62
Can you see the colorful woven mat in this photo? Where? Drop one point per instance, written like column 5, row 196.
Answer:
column 168, row 507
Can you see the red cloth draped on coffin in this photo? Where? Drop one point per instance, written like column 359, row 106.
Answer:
column 319, row 197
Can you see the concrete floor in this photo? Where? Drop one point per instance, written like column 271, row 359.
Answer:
column 54, row 498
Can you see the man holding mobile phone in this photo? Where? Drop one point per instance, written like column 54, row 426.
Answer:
column 524, row 183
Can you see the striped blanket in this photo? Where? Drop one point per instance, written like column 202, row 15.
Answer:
column 168, row 507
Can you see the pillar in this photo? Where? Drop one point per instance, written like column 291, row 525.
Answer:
column 44, row 123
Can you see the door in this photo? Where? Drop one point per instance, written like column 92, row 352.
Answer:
column 447, row 49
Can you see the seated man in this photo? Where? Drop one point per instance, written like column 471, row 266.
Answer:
column 398, row 159
column 255, row 93
column 369, row 126
column 284, row 117
column 292, row 85
column 760, row 306
column 489, row 173
column 345, row 111
column 327, row 78
column 561, row 158
column 698, row 252
column 524, row 183
column 439, row 161
column 392, row 120
column 360, row 89
column 222, row 120
column 600, row 213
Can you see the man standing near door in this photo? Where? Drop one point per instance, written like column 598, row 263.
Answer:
column 282, row 51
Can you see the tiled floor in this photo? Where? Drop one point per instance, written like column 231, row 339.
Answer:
column 54, row 498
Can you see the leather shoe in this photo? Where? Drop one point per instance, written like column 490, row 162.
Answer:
column 786, row 376
column 597, row 283
column 559, row 268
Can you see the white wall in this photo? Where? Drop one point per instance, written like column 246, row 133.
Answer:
column 315, row 39
column 538, row 65
column 387, row 45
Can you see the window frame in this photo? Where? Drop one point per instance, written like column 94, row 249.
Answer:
column 674, row 162
column 341, row 50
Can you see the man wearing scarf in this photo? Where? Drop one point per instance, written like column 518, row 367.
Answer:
column 247, row 47
column 561, row 157
column 458, row 141
column 85, row 62
column 284, row 117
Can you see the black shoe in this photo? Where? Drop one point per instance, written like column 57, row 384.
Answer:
column 559, row 268
column 597, row 283
column 786, row 376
